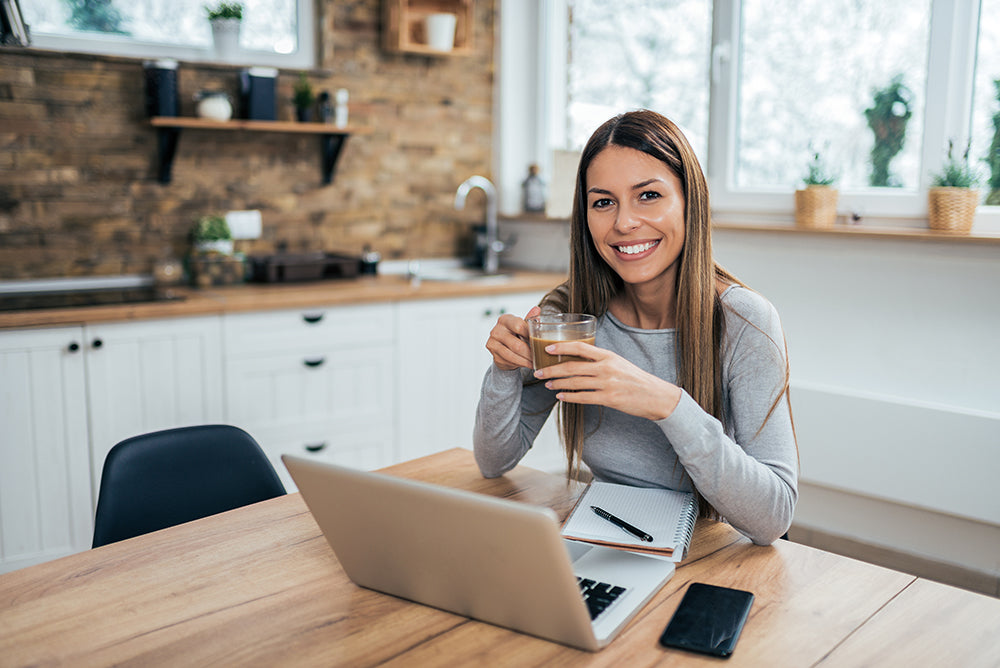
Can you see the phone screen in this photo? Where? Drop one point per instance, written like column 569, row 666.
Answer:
column 708, row 620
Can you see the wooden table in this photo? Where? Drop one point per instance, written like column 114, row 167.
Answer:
column 260, row 586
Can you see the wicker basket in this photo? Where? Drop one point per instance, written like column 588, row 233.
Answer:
column 816, row 206
column 951, row 209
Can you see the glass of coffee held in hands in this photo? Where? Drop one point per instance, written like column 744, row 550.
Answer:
column 549, row 328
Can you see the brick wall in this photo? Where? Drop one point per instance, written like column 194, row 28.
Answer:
column 78, row 188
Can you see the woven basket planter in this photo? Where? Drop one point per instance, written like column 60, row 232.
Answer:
column 951, row 209
column 816, row 206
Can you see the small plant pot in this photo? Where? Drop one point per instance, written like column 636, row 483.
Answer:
column 816, row 207
column 226, row 37
column 219, row 247
column 303, row 114
column 951, row 209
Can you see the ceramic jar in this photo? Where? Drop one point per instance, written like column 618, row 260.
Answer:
column 214, row 105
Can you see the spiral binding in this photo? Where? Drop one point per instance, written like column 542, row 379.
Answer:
column 685, row 527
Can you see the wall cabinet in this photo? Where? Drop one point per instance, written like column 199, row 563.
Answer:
column 67, row 396
column 316, row 383
column 442, row 360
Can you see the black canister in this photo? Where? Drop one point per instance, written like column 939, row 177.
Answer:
column 161, row 88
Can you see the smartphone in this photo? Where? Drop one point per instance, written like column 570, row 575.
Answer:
column 709, row 620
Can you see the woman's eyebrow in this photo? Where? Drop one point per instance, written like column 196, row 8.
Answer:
column 637, row 186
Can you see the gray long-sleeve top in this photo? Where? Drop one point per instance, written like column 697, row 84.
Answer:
column 746, row 471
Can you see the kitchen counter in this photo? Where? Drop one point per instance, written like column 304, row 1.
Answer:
column 259, row 296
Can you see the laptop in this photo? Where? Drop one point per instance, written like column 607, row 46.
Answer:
column 491, row 559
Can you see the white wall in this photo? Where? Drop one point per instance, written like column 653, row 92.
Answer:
column 895, row 384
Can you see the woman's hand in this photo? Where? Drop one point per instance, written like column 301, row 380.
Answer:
column 607, row 379
column 508, row 342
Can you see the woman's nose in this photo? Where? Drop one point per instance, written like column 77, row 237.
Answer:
column 626, row 221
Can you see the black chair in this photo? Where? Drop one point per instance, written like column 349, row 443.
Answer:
column 157, row 480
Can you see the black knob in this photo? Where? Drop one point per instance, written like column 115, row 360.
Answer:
column 97, row 343
column 315, row 447
column 315, row 362
column 312, row 318
column 73, row 347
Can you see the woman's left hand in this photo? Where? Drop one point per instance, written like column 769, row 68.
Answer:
column 607, row 379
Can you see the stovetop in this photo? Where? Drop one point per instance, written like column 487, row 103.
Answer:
column 81, row 298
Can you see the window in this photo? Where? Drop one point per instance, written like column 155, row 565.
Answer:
column 985, row 147
column 273, row 32
column 619, row 54
column 859, row 75
column 760, row 85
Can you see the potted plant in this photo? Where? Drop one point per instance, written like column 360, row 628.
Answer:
column 953, row 197
column 211, row 234
column 816, row 203
column 225, row 18
column 303, row 98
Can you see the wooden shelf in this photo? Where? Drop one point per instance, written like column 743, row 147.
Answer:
column 331, row 137
column 403, row 26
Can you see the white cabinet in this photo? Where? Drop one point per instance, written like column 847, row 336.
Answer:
column 442, row 360
column 150, row 375
column 67, row 395
column 315, row 382
column 45, row 503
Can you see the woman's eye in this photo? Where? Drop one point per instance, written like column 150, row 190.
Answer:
column 649, row 194
column 600, row 203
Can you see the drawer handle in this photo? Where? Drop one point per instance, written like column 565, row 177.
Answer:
column 97, row 343
column 73, row 346
column 315, row 362
column 312, row 318
column 316, row 447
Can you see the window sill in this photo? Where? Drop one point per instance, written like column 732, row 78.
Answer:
column 866, row 232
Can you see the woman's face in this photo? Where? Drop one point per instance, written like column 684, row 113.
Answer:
column 635, row 213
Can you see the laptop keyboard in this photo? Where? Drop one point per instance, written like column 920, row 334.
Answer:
column 598, row 595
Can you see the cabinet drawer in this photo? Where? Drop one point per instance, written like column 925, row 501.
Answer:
column 364, row 449
column 345, row 386
column 275, row 331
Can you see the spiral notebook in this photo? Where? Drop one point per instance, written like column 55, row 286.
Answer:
column 668, row 516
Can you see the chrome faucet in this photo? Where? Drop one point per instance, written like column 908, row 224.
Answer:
column 494, row 246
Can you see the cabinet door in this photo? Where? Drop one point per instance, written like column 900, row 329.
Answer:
column 45, row 493
column 151, row 375
column 442, row 360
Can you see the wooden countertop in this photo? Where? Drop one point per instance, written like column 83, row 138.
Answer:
column 261, row 297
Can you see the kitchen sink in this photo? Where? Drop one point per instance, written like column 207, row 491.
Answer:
column 461, row 274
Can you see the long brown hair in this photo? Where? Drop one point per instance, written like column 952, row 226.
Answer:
column 592, row 283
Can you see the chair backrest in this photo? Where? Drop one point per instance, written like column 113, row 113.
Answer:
column 157, row 480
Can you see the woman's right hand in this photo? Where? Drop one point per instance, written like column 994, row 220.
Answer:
column 508, row 342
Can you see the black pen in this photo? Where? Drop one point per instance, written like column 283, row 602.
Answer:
column 638, row 533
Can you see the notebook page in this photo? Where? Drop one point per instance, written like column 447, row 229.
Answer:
column 659, row 512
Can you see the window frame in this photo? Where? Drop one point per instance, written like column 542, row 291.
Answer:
column 952, row 51
column 114, row 45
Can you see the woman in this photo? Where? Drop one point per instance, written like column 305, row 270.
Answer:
column 686, row 386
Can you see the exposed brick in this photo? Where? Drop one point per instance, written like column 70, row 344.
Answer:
column 78, row 163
